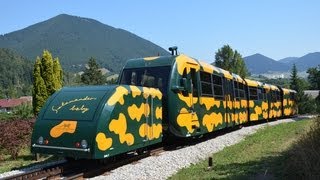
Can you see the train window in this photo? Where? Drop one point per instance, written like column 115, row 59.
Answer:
column 253, row 93
column 194, row 82
column 236, row 89
column 217, row 86
column 156, row 77
column 242, row 91
column 206, row 86
column 292, row 96
column 261, row 94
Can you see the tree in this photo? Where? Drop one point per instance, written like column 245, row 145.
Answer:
column 231, row 60
column 314, row 77
column 305, row 103
column 47, row 75
column 92, row 75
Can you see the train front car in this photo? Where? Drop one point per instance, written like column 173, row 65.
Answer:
column 98, row 121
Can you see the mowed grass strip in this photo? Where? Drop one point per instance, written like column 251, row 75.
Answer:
column 259, row 156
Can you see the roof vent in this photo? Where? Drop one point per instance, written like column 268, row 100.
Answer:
column 174, row 50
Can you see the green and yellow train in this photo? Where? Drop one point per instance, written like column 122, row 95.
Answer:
column 157, row 98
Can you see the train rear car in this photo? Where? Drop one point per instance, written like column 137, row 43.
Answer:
column 99, row 121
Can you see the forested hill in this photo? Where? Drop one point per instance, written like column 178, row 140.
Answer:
column 75, row 39
column 15, row 74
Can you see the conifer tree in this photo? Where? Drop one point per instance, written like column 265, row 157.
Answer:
column 47, row 75
column 58, row 74
column 40, row 94
column 92, row 75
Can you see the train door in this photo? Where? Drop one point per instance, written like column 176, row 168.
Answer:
column 191, row 93
column 236, row 102
column 150, row 130
column 229, row 102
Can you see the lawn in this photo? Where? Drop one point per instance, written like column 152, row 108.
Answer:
column 261, row 155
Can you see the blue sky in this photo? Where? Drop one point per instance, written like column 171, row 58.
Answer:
column 277, row 29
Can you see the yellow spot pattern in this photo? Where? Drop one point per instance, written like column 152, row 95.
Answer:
column 63, row 127
column 211, row 121
column 184, row 61
column 187, row 120
column 103, row 142
column 137, row 112
column 159, row 112
column 251, row 104
column 187, row 99
column 243, row 116
column 264, row 106
column 119, row 126
column 153, row 92
column 151, row 132
column 209, row 102
column 135, row 91
column 118, row 96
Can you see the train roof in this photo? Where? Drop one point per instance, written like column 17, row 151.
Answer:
column 169, row 60
column 285, row 90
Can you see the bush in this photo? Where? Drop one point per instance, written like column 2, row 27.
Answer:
column 24, row 111
column 15, row 135
column 307, row 105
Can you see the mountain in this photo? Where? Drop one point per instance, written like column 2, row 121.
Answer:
column 15, row 74
column 75, row 39
column 259, row 63
column 307, row 61
column 288, row 59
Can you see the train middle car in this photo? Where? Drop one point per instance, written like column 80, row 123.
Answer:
column 156, row 97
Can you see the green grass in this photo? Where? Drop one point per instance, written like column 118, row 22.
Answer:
column 24, row 159
column 260, row 155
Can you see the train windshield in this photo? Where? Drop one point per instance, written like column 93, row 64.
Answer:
column 156, row 77
column 74, row 105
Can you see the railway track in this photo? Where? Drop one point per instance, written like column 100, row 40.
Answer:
column 80, row 169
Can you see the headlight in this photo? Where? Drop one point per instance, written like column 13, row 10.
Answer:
column 40, row 140
column 84, row 144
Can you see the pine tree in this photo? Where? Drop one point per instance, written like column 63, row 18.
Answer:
column 305, row 103
column 92, row 75
column 47, row 75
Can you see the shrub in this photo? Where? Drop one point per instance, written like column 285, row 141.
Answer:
column 24, row 111
column 15, row 135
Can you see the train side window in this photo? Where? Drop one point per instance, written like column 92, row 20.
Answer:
column 253, row 94
column 217, row 86
column 236, row 89
column 206, row 84
column 260, row 94
column 242, row 91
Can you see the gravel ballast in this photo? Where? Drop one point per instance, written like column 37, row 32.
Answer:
column 169, row 162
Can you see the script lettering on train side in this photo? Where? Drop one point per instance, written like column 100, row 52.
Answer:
column 82, row 108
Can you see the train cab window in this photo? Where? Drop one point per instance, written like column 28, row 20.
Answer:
column 217, row 86
column 206, row 84
column 156, row 77
column 253, row 93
